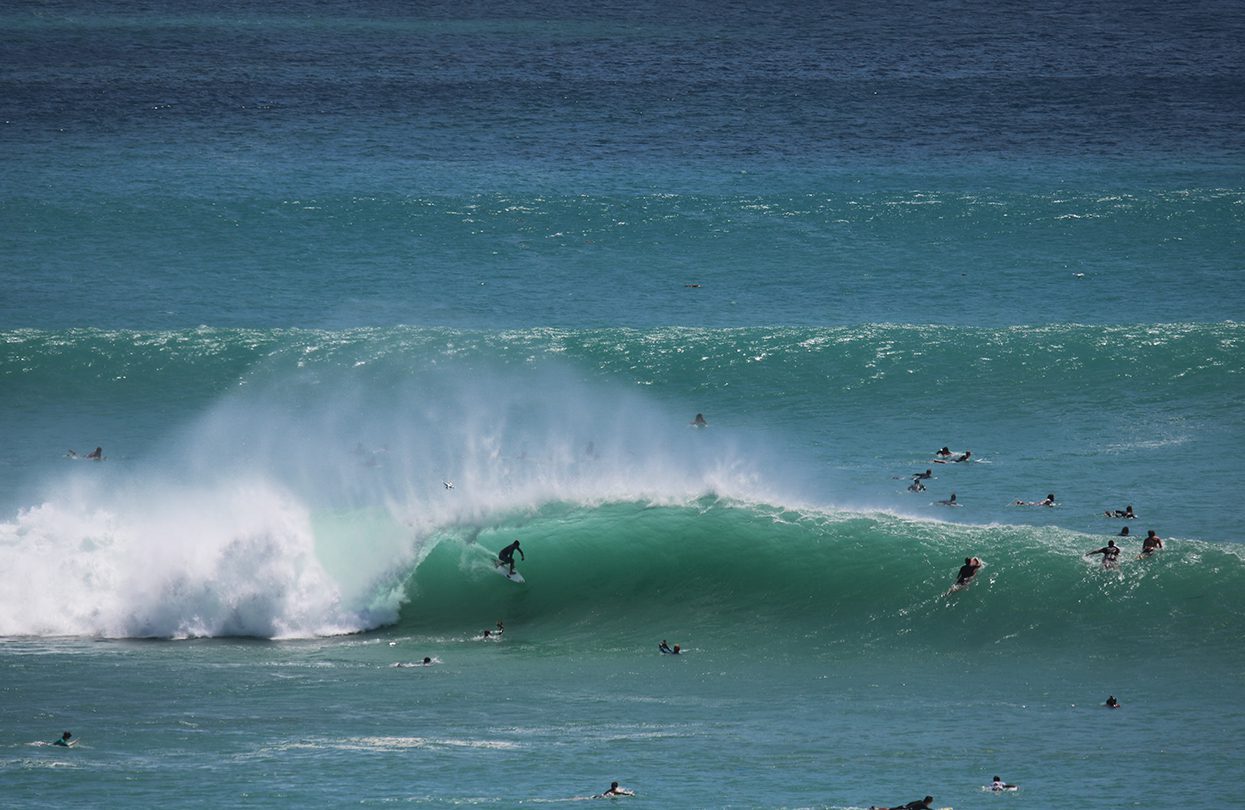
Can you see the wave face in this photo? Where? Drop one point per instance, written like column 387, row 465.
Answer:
column 292, row 483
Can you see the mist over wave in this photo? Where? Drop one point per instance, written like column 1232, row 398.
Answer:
column 297, row 504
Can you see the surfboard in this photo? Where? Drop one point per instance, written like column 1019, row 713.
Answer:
column 504, row 570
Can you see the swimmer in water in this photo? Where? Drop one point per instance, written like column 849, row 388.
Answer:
column 925, row 476
column 944, row 452
column 1124, row 532
column 967, row 455
column 949, row 501
column 999, row 784
column 1151, row 544
column 65, row 740
column 1110, row 553
column 916, row 486
column 1126, row 513
column 1112, row 703
column 699, row 421
column 96, row 455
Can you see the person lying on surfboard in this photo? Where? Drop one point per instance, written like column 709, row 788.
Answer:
column 999, row 784
column 1109, row 553
column 506, row 555
column 967, row 571
column 1151, row 544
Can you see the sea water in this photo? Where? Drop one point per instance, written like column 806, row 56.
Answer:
column 352, row 295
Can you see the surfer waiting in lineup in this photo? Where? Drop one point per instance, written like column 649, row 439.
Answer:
column 1126, row 513
column 615, row 790
column 1110, row 552
column 920, row 804
column 1151, row 544
column 949, row 501
column 65, row 740
column 1124, row 532
column 506, row 555
column 1112, row 703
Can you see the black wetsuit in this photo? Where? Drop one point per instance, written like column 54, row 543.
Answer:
column 1109, row 553
column 506, row 555
column 966, row 573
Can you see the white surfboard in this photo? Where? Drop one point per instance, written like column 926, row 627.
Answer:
column 504, row 570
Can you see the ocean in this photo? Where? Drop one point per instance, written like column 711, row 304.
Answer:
column 352, row 295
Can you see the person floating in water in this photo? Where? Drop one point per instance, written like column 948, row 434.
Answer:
column 699, row 421
column 66, row 740
column 1151, row 544
column 949, row 501
column 506, row 555
column 916, row 486
column 1110, row 553
column 1126, row 513
column 1112, row 703
column 920, row 804
column 615, row 790
column 999, row 784
column 96, row 455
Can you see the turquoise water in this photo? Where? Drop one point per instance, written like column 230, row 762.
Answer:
column 296, row 271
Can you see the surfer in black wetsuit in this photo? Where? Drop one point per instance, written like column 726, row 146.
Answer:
column 920, row 804
column 506, row 555
column 1126, row 513
column 968, row 570
column 1110, row 552
column 664, row 647
column 925, row 476
column 65, row 740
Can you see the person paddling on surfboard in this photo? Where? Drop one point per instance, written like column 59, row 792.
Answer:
column 65, row 740
column 998, row 784
column 615, row 790
column 506, row 555
column 920, row 804
column 967, row 571
column 1110, row 552
column 1151, row 544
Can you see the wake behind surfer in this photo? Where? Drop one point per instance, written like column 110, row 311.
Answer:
column 506, row 555
column 1110, row 553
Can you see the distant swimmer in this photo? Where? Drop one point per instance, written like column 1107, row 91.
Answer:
column 999, row 784
column 427, row 662
column 1124, row 532
column 1110, row 553
column 1126, row 513
column 1049, row 500
column 920, row 804
column 925, row 476
column 506, row 555
column 1151, row 544
column 916, row 486
column 96, row 455
column 949, row 501
column 66, row 740
column 968, row 454
column 699, row 421
column 1112, row 703
column 615, row 790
